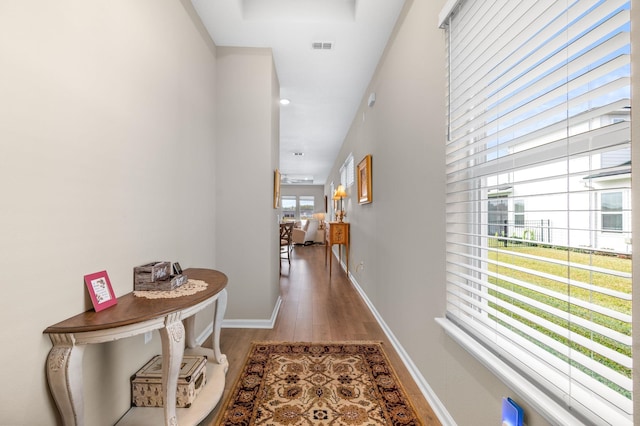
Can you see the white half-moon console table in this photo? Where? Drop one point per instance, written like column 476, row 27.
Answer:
column 174, row 319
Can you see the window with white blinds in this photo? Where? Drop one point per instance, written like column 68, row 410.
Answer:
column 347, row 173
column 538, row 194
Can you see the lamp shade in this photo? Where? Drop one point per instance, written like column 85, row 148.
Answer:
column 340, row 193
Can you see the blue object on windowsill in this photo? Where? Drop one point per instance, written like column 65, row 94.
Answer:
column 512, row 414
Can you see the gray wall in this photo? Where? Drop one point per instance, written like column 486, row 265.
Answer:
column 399, row 239
column 248, row 154
column 108, row 160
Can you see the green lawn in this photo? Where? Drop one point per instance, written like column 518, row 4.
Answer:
column 620, row 284
column 612, row 282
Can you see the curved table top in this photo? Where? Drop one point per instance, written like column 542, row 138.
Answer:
column 132, row 310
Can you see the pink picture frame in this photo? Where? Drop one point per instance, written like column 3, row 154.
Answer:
column 100, row 290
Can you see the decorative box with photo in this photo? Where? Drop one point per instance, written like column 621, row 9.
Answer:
column 146, row 384
column 154, row 271
column 156, row 276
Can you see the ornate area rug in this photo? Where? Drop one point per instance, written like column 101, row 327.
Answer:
column 335, row 383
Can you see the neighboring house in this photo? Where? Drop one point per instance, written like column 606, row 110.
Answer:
column 522, row 207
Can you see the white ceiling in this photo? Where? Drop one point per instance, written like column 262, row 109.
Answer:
column 325, row 86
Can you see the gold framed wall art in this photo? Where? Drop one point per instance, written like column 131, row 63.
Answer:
column 276, row 189
column 364, row 180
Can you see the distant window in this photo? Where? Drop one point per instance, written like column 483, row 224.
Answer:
column 298, row 207
column 497, row 215
column 347, row 172
column 612, row 211
column 289, row 207
column 518, row 216
column 307, row 207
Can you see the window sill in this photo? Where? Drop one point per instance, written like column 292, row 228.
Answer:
column 542, row 403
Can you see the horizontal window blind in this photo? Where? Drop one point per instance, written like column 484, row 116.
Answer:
column 347, row 172
column 538, row 193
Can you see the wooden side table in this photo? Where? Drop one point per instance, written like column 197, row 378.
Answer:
column 337, row 233
column 174, row 319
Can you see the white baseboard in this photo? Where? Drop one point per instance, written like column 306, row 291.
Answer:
column 205, row 334
column 228, row 323
column 438, row 407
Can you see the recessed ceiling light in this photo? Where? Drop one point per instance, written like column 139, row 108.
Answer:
column 284, row 101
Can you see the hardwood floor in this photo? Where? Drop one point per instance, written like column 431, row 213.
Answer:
column 316, row 308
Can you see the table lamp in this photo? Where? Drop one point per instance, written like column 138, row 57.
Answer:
column 339, row 194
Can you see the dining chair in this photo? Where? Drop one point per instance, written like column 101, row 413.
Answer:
column 286, row 242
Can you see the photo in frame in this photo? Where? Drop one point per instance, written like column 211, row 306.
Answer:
column 276, row 189
column 364, row 180
column 100, row 290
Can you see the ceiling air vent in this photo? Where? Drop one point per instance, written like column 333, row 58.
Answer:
column 322, row 45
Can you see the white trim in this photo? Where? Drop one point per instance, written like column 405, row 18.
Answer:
column 438, row 407
column 446, row 11
column 247, row 323
column 540, row 401
column 208, row 331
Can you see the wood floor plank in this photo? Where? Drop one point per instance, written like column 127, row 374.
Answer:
column 316, row 308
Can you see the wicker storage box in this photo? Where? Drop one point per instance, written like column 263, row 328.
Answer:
column 146, row 384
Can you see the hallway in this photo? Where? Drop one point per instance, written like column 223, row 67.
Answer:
column 316, row 307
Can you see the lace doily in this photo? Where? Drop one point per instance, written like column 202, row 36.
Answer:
column 186, row 289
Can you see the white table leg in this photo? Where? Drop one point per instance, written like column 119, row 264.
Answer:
column 173, row 337
column 190, row 333
column 64, row 374
column 221, row 307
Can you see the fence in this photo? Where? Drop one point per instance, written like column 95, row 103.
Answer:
column 527, row 231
